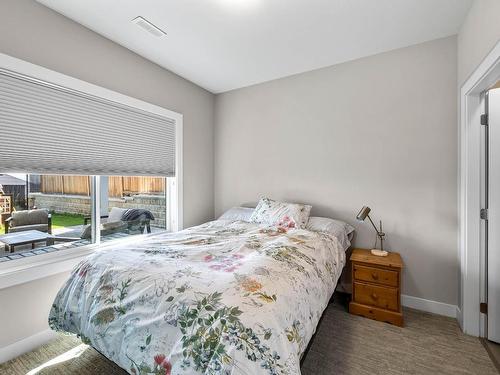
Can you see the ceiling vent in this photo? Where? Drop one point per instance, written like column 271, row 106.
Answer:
column 148, row 26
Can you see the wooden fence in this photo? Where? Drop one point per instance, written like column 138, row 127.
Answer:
column 117, row 186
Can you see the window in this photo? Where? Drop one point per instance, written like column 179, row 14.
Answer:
column 46, row 213
column 95, row 164
column 132, row 205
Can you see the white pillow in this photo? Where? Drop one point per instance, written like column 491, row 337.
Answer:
column 237, row 213
column 340, row 229
column 292, row 215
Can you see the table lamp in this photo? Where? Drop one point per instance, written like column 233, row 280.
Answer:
column 361, row 216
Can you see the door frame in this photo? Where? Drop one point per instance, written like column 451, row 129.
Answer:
column 471, row 254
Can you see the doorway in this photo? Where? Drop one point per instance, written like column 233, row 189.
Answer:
column 474, row 266
column 490, row 213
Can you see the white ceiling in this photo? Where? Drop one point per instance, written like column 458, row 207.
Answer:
column 226, row 44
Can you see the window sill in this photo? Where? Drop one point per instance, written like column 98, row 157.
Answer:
column 23, row 270
column 26, row 269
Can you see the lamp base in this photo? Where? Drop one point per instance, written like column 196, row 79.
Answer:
column 379, row 253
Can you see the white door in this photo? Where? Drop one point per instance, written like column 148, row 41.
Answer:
column 493, row 254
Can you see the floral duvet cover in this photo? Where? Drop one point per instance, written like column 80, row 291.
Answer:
column 219, row 298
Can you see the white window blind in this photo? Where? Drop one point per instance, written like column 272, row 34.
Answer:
column 49, row 129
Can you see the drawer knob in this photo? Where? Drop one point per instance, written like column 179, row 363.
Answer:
column 375, row 276
column 374, row 296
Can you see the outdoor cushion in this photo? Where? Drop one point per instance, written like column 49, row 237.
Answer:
column 22, row 228
column 23, row 218
column 86, row 232
column 113, row 227
column 116, row 214
column 106, row 229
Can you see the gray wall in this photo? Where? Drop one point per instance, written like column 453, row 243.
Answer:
column 479, row 33
column 24, row 309
column 380, row 131
column 31, row 32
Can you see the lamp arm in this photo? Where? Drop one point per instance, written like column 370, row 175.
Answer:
column 374, row 226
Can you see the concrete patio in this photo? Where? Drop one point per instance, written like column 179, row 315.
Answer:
column 75, row 231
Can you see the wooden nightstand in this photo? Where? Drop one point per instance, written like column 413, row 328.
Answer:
column 376, row 286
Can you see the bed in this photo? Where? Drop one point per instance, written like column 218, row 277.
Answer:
column 224, row 297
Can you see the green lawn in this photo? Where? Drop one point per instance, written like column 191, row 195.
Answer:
column 66, row 220
column 60, row 221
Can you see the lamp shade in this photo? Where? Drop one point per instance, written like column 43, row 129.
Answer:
column 363, row 213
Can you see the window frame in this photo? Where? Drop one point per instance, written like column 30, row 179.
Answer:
column 18, row 271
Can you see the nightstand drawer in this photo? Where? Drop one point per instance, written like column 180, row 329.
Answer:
column 376, row 275
column 382, row 315
column 379, row 296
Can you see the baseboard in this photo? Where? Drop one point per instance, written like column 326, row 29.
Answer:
column 427, row 305
column 25, row 345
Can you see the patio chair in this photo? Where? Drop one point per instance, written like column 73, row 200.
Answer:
column 21, row 221
column 135, row 224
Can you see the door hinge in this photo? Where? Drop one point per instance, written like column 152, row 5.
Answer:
column 483, row 308
column 483, row 214
column 484, row 119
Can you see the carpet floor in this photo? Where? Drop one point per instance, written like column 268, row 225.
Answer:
column 493, row 350
column 344, row 344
